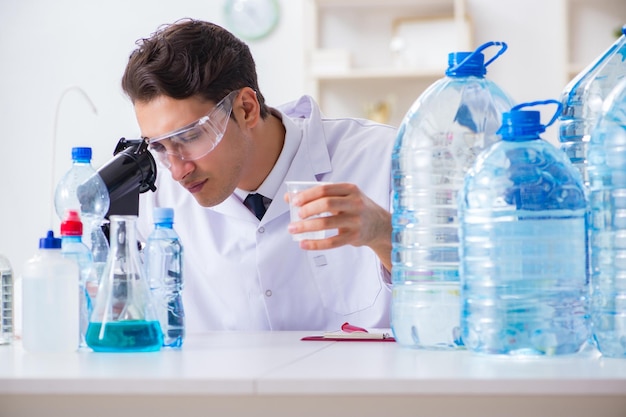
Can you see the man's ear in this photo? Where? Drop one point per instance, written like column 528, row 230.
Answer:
column 251, row 109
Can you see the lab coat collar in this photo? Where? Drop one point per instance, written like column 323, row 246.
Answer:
column 312, row 158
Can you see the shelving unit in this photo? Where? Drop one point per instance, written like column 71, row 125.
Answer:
column 368, row 58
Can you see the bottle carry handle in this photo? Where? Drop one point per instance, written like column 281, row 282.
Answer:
column 503, row 47
column 559, row 108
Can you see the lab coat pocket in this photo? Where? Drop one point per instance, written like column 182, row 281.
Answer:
column 347, row 278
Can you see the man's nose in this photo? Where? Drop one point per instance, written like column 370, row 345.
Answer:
column 180, row 168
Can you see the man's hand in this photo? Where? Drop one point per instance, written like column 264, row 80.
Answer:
column 358, row 220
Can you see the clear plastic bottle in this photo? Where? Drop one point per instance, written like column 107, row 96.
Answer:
column 523, row 245
column 82, row 189
column 72, row 247
column 99, row 253
column 582, row 101
column 447, row 126
column 8, row 301
column 164, row 270
column 123, row 318
column 50, row 300
column 607, row 225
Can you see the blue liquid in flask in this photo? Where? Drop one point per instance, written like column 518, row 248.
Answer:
column 125, row 336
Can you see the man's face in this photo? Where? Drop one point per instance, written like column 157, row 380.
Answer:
column 210, row 178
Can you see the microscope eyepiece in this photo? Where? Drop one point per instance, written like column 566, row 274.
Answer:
column 131, row 171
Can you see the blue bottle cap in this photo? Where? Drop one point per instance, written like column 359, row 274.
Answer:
column 81, row 154
column 522, row 125
column 475, row 64
column 163, row 215
column 463, row 64
column 50, row 242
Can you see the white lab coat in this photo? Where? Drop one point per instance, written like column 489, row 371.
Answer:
column 242, row 274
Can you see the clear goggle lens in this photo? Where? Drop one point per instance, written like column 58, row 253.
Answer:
column 197, row 139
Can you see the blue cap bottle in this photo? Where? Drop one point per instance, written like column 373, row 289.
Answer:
column 523, row 245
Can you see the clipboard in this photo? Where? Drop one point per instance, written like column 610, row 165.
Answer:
column 350, row 333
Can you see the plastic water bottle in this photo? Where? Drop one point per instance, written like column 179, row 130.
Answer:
column 164, row 269
column 607, row 226
column 123, row 318
column 82, row 189
column 99, row 253
column 72, row 247
column 50, row 300
column 582, row 101
column 7, row 300
column 523, row 245
column 438, row 140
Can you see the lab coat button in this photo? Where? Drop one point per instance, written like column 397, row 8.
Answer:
column 268, row 293
column 261, row 230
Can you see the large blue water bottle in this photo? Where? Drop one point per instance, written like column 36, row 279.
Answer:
column 607, row 226
column 163, row 259
column 438, row 140
column 582, row 101
column 523, row 245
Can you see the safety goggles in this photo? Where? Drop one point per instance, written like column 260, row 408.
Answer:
column 197, row 139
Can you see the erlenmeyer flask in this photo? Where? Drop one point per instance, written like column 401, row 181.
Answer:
column 123, row 318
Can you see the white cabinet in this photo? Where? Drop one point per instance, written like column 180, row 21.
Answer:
column 372, row 58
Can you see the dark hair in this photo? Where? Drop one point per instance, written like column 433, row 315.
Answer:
column 190, row 58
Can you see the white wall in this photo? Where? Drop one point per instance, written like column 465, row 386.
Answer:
column 46, row 46
column 534, row 66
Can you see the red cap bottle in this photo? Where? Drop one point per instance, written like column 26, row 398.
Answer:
column 72, row 226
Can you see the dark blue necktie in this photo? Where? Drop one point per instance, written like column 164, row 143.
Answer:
column 255, row 203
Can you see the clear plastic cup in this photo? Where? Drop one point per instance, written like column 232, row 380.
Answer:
column 293, row 188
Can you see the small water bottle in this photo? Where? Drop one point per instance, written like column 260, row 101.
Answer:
column 123, row 318
column 447, row 126
column 523, row 245
column 50, row 300
column 607, row 225
column 7, row 300
column 582, row 101
column 82, row 189
column 72, row 247
column 164, row 269
column 99, row 253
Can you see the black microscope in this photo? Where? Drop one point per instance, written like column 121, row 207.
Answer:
column 130, row 172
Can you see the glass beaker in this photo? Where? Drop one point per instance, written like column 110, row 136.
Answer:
column 123, row 318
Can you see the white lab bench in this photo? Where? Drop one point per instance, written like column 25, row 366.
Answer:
column 277, row 374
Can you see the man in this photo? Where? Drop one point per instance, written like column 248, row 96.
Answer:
column 195, row 94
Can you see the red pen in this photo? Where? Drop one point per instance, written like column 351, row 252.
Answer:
column 348, row 328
